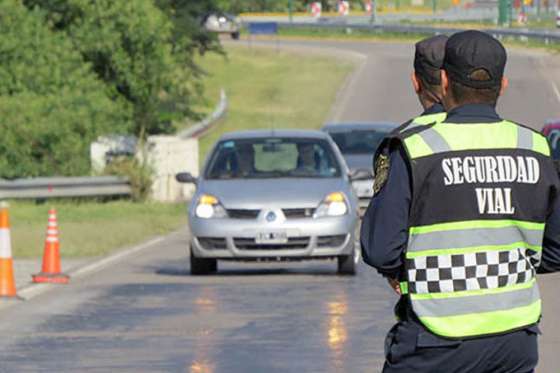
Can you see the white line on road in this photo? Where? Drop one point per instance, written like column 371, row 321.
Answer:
column 33, row 290
column 555, row 90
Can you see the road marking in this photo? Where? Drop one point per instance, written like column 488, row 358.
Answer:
column 33, row 290
column 100, row 264
column 555, row 90
column 346, row 91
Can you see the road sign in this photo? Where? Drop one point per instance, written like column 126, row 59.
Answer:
column 316, row 9
column 343, row 8
column 368, row 6
column 263, row 28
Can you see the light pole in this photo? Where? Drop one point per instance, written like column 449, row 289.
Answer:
column 290, row 10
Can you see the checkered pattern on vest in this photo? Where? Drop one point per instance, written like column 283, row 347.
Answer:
column 472, row 271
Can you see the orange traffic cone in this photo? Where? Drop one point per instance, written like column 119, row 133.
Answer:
column 7, row 281
column 51, row 258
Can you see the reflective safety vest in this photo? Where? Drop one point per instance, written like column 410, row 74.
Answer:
column 480, row 196
column 422, row 120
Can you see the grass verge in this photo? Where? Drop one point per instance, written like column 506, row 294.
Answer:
column 89, row 229
column 270, row 88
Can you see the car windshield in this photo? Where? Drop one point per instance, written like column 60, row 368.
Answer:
column 358, row 141
column 272, row 158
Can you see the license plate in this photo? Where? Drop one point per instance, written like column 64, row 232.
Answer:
column 271, row 238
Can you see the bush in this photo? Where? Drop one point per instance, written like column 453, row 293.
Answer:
column 139, row 174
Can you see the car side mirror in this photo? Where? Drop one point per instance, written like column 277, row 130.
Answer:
column 360, row 174
column 186, row 177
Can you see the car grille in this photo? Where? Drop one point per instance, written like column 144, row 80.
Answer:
column 211, row 243
column 298, row 213
column 243, row 213
column 331, row 241
column 294, row 243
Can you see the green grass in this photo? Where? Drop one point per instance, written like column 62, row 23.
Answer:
column 91, row 229
column 271, row 89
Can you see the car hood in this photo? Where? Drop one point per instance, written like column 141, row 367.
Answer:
column 359, row 161
column 280, row 193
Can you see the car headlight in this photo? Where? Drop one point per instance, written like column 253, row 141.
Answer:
column 334, row 204
column 209, row 207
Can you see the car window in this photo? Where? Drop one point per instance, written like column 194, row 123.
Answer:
column 358, row 141
column 272, row 158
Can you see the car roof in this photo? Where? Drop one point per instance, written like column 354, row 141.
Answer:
column 346, row 127
column 252, row 134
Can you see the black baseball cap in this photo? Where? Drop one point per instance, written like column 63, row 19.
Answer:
column 469, row 51
column 429, row 58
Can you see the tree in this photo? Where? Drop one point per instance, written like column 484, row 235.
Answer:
column 51, row 103
column 140, row 50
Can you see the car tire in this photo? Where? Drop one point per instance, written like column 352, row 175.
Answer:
column 347, row 264
column 235, row 35
column 203, row 266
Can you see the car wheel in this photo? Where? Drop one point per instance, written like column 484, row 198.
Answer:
column 203, row 266
column 235, row 35
column 347, row 264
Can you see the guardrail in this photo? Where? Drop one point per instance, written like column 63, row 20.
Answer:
column 202, row 126
column 53, row 187
column 523, row 34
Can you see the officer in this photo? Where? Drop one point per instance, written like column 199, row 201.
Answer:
column 470, row 214
column 426, row 81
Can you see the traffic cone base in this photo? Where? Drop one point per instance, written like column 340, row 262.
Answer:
column 51, row 278
column 7, row 279
column 7, row 288
column 50, row 272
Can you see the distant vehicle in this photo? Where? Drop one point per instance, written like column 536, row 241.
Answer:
column 358, row 143
column 273, row 195
column 551, row 130
column 223, row 23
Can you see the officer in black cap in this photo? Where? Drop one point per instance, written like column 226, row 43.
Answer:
column 471, row 213
column 426, row 81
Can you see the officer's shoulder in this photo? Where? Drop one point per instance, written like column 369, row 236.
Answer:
column 541, row 138
column 415, row 128
column 526, row 126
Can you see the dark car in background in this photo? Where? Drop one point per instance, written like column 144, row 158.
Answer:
column 551, row 130
column 357, row 143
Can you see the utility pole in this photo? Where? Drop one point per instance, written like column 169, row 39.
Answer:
column 503, row 12
column 290, row 10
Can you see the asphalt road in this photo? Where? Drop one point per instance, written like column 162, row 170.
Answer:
column 146, row 314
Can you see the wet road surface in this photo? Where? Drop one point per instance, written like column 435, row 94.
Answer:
column 149, row 315
column 146, row 314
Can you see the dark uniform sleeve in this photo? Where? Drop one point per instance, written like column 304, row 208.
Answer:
column 384, row 231
column 550, row 261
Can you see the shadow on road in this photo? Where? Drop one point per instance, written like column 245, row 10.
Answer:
column 232, row 270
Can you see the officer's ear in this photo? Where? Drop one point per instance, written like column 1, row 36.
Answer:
column 505, row 85
column 415, row 82
column 444, row 81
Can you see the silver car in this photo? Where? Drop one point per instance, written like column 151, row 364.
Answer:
column 358, row 143
column 222, row 23
column 273, row 195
